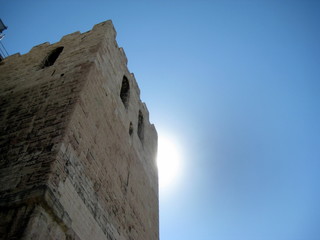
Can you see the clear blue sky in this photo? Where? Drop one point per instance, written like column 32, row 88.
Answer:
column 237, row 83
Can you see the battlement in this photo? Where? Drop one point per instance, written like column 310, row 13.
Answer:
column 77, row 149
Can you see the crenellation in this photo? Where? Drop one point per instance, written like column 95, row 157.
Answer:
column 70, row 37
column 38, row 48
column 123, row 56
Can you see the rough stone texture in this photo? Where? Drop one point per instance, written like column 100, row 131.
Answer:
column 77, row 151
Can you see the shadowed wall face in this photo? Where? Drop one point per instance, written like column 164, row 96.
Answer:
column 77, row 150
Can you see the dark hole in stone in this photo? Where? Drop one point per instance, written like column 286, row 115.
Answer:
column 140, row 126
column 52, row 57
column 130, row 128
column 124, row 92
column 49, row 147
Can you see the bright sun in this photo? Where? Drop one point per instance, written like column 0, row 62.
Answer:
column 169, row 161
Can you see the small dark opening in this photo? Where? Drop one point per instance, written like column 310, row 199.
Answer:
column 124, row 92
column 140, row 126
column 130, row 129
column 52, row 57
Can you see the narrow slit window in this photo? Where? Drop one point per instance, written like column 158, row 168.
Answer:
column 140, row 126
column 124, row 92
column 130, row 129
column 52, row 57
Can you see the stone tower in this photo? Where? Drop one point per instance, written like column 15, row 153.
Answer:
column 77, row 151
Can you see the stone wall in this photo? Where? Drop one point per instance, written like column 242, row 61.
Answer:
column 77, row 151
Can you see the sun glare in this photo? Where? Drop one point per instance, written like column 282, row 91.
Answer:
column 169, row 161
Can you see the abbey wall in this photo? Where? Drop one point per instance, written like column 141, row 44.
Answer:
column 77, row 150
